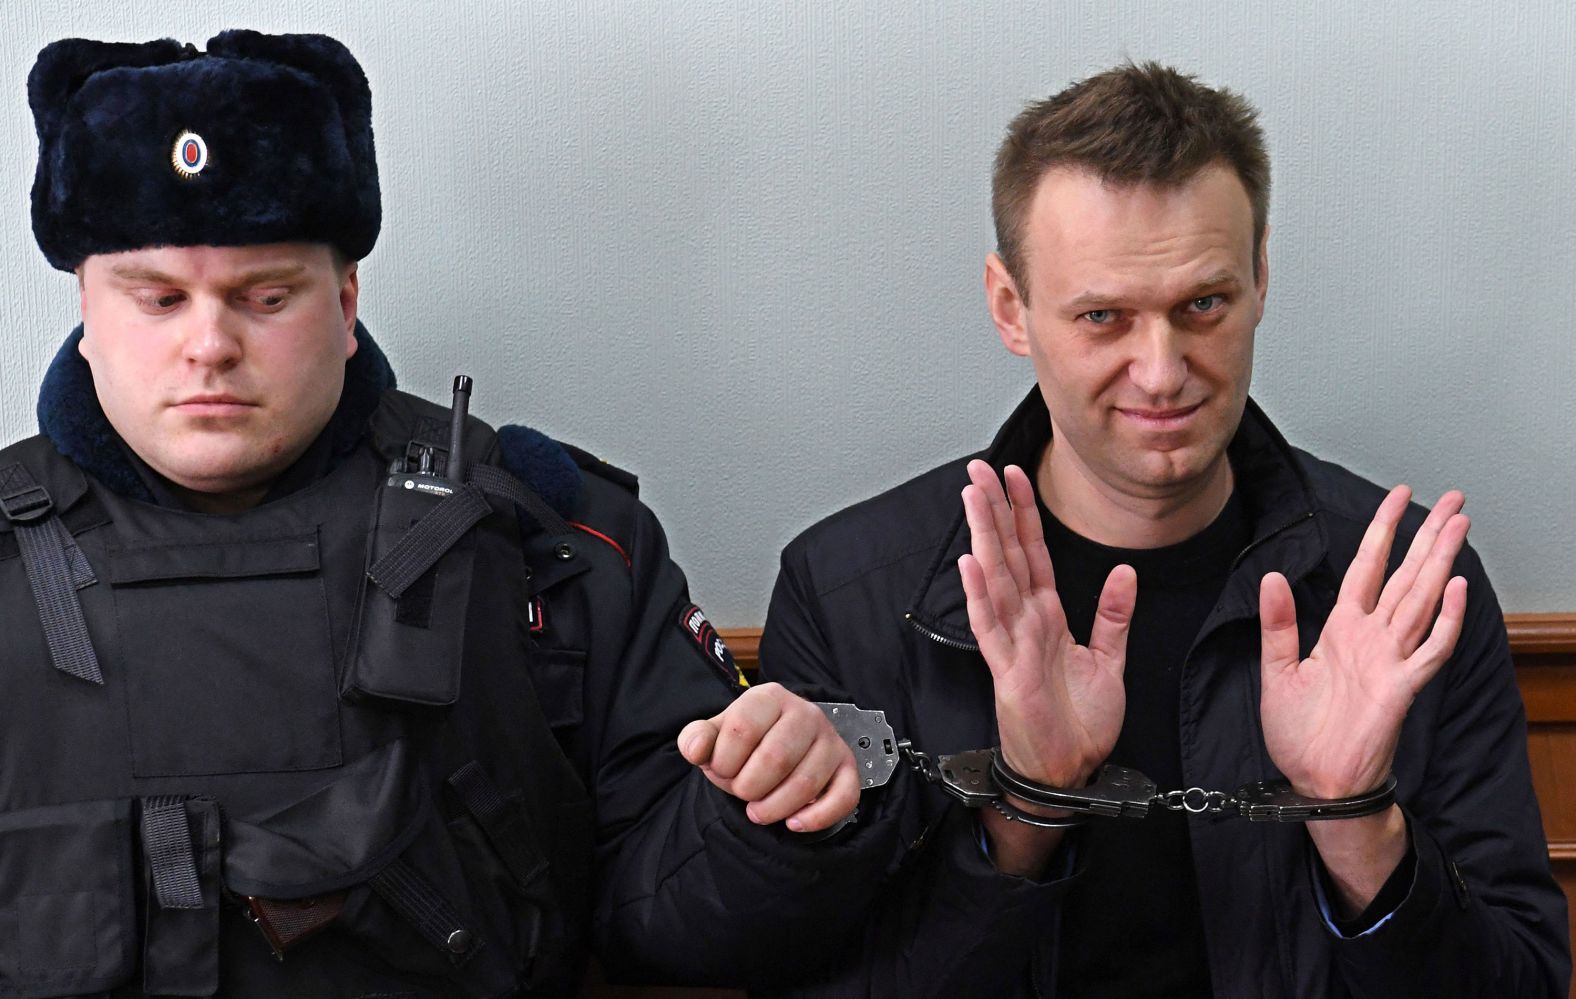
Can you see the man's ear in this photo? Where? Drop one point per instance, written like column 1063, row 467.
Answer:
column 349, row 298
column 1007, row 308
column 1261, row 282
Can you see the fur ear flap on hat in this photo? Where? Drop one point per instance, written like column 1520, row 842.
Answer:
column 65, row 65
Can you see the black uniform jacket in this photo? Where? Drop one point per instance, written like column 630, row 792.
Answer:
column 870, row 603
column 686, row 888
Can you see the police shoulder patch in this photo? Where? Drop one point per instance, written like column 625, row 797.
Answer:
column 692, row 621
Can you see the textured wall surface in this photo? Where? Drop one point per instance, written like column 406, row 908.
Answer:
column 737, row 247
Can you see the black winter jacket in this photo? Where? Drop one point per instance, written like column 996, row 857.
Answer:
column 870, row 603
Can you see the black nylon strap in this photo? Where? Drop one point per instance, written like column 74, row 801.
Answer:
column 424, row 908
column 56, row 569
column 424, row 544
column 502, row 820
column 497, row 482
column 82, row 575
column 167, row 841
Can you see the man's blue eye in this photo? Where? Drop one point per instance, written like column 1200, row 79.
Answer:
column 1098, row 316
column 1207, row 303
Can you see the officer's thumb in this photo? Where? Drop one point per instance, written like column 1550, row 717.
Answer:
column 697, row 740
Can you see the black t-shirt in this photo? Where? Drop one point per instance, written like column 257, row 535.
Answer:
column 1131, row 924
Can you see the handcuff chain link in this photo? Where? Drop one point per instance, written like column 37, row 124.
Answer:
column 919, row 761
column 1198, row 801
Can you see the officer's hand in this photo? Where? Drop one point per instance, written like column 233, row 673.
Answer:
column 1059, row 705
column 1331, row 721
column 778, row 752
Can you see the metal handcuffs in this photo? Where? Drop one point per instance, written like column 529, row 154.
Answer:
column 980, row 778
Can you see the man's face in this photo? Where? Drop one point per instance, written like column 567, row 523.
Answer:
column 1142, row 306
column 219, row 365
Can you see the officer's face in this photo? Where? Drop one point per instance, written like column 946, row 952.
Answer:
column 219, row 365
column 1142, row 305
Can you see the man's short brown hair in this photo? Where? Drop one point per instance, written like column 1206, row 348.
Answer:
column 1135, row 124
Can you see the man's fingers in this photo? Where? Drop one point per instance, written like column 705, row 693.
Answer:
column 1412, row 615
column 995, row 644
column 741, row 727
column 1432, row 654
column 781, row 751
column 1277, row 626
column 1003, row 520
column 1113, row 616
column 1400, row 581
column 838, row 799
column 1001, row 588
column 805, row 783
column 1031, row 531
column 696, row 741
column 1366, row 573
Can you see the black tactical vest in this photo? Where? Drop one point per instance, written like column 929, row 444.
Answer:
column 277, row 738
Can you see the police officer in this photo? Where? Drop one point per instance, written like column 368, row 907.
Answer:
column 314, row 688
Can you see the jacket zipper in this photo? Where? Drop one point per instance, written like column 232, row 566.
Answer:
column 1254, row 544
column 951, row 643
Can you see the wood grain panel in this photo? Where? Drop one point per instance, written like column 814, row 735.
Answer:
column 1552, row 752
column 1541, row 634
column 1544, row 648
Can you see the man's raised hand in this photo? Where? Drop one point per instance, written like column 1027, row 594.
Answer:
column 1059, row 705
column 1332, row 721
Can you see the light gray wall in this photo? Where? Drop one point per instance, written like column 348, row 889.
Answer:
column 737, row 247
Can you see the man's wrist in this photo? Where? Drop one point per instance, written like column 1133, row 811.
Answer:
column 1043, row 811
column 1070, row 776
column 1359, row 855
column 1015, row 848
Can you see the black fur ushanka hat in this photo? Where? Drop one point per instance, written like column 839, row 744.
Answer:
column 260, row 139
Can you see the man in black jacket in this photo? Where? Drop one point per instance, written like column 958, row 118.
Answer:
column 312, row 687
column 1222, row 609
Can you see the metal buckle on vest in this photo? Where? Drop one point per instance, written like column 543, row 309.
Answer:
column 27, row 505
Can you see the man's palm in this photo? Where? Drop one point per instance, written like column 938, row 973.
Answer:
column 1059, row 705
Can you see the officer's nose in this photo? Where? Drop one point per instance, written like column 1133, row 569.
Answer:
column 213, row 339
column 1159, row 364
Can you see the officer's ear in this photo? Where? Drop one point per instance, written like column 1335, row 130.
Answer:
column 349, row 299
column 1007, row 307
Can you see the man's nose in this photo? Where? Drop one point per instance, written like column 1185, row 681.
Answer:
column 213, row 338
column 1159, row 364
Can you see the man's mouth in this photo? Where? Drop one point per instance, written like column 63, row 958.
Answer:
column 214, row 404
column 1173, row 418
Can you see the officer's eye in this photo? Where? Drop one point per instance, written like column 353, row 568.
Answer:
column 1099, row 316
column 1207, row 303
column 157, row 301
column 269, row 299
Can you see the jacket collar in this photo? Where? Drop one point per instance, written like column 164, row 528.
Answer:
column 1287, row 534
column 69, row 414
